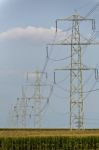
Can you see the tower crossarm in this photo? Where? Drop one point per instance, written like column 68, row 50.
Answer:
column 76, row 17
column 75, row 69
column 74, row 43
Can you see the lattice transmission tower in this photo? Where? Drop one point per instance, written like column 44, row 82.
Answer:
column 20, row 112
column 31, row 104
column 38, row 99
column 76, row 68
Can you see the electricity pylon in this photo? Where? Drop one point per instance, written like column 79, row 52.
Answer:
column 76, row 68
column 31, row 104
column 21, row 110
column 37, row 100
column 37, row 97
column 23, row 104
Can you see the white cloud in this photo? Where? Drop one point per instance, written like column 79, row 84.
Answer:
column 34, row 33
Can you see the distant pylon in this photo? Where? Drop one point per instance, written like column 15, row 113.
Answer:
column 37, row 97
column 37, row 101
column 21, row 110
column 76, row 68
column 29, row 107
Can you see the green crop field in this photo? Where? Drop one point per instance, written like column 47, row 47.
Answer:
column 48, row 139
column 50, row 143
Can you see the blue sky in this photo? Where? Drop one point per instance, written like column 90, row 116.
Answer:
column 26, row 26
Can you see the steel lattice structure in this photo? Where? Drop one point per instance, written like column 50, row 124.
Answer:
column 31, row 104
column 76, row 68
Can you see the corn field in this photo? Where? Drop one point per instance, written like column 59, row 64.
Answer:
column 50, row 143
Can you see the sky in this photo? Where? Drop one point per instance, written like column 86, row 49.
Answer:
column 26, row 26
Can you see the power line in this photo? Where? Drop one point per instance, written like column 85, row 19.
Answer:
column 61, row 59
column 57, row 112
column 47, row 59
column 92, row 87
column 60, row 97
column 66, row 78
column 93, row 9
column 84, row 5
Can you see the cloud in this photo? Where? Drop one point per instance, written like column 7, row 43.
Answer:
column 35, row 33
column 18, row 50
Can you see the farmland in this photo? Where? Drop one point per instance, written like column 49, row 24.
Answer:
column 48, row 139
column 47, row 132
